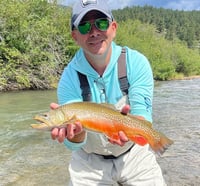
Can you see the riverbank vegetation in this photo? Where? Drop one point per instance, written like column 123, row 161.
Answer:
column 35, row 42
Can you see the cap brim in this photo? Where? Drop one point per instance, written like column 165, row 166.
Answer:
column 80, row 16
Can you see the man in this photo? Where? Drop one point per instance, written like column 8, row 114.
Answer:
column 97, row 160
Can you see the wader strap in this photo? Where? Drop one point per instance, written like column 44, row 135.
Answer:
column 122, row 64
column 85, row 87
column 122, row 74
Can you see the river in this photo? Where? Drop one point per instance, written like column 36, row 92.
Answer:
column 30, row 157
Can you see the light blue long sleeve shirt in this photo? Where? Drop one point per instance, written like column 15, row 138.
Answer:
column 139, row 75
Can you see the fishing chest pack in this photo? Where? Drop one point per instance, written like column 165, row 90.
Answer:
column 122, row 76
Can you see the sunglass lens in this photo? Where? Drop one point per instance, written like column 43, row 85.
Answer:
column 102, row 24
column 84, row 28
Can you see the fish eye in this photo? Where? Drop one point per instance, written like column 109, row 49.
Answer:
column 45, row 114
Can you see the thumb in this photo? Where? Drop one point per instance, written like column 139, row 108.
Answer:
column 54, row 105
column 125, row 109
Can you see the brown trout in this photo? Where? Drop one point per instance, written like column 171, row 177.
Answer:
column 104, row 118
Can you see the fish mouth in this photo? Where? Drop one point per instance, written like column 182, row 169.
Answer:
column 43, row 121
column 41, row 118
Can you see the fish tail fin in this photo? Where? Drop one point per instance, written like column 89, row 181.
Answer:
column 162, row 145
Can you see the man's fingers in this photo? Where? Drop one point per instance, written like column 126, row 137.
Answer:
column 54, row 133
column 79, row 128
column 121, row 141
column 62, row 134
column 116, row 142
column 70, row 131
column 59, row 134
column 66, row 132
column 123, row 137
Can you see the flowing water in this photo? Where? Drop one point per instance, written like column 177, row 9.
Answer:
column 29, row 157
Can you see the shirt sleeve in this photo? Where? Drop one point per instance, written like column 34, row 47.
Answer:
column 68, row 87
column 141, row 82
column 69, row 91
column 74, row 146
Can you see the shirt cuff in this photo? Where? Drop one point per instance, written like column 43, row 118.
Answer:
column 74, row 146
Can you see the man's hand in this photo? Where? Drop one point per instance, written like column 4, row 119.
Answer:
column 73, row 132
column 122, row 136
column 125, row 109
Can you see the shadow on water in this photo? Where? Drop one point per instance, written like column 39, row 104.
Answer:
column 30, row 157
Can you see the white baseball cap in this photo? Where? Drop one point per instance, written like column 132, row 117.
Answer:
column 82, row 7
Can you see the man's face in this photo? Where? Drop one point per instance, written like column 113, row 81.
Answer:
column 95, row 42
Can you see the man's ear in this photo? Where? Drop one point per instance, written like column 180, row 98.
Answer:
column 73, row 34
column 114, row 28
column 114, row 25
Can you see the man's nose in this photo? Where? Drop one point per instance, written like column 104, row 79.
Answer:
column 94, row 31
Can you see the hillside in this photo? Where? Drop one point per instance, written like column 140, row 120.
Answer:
column 184, row 25
column 35, row 42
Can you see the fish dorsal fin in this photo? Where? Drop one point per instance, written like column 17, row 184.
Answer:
column 149, row 124
column 122, row 102
column 108, row 105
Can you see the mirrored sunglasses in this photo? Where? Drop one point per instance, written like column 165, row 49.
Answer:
column 101, row 24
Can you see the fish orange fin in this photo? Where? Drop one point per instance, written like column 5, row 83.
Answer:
column 140, row 140
column 114, row 136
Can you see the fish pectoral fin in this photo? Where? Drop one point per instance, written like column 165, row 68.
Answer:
column 108, row 105
column 140, row 140
column 71, row 120
column 113, row 136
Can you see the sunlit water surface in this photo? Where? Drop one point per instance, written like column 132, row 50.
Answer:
column 29, row 157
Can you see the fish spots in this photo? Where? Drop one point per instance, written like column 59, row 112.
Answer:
column 104, row 119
